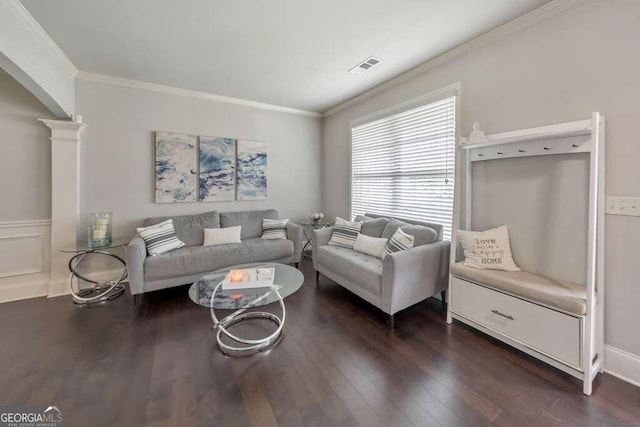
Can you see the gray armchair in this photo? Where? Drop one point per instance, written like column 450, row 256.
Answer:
column 400, row 281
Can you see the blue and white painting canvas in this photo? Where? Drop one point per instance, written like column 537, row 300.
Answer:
column 252, row 170
column 217, row 169
column 176, row 168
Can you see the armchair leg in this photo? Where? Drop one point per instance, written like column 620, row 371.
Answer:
column 296, row 264
column 391, row 322
column 443, row 296
column 136, row 300
column 317, row 276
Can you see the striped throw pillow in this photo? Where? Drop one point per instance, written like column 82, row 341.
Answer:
column 160, row 238
column 398, row 242
column 345, row 233
column 274, row 229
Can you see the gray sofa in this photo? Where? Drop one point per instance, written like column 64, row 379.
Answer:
column 185, row 265
column 401, row 280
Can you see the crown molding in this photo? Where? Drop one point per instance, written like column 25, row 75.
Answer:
column 543, row 12
column 21, row 12
column 136, row 84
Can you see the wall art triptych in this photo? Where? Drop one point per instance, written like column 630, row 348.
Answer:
column 193, row 168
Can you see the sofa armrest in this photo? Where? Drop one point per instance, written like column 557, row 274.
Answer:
column 136, row 253
column 320, row 237
column 294, row 233
column 413, row 275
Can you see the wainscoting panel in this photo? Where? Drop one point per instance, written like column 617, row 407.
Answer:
column 24, row 259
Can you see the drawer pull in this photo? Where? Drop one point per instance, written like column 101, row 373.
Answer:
column 502, row 314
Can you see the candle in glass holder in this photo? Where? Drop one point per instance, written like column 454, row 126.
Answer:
column 100, row 233
column 102, row 221
column 236, row 276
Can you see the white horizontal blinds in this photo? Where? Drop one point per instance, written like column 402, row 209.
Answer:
column 403, row 165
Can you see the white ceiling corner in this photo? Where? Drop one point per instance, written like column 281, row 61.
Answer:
column 19, row 10
column 296, row 61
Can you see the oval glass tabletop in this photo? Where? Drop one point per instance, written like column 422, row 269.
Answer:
column 287, row 280
column 84, row 246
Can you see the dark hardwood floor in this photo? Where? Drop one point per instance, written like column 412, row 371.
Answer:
column 336, row 365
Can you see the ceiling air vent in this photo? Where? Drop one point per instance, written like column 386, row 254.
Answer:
column 365, row 65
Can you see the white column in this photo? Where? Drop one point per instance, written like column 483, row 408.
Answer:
column 65, row 197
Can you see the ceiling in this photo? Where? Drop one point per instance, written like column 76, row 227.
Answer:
column 286, row 52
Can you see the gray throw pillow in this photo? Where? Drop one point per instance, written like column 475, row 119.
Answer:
column 392, row 226
column 422, row 235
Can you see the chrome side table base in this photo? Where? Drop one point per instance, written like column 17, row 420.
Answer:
column 100, row 291
column 242, row 346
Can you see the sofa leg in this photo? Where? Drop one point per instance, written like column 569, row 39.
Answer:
column 136, row 300
column 317, row 276
column 391, row 322
column 443, row 296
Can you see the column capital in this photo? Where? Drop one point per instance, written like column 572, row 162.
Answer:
column 64, row 129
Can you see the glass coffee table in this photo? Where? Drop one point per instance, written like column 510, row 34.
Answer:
column 207, row 292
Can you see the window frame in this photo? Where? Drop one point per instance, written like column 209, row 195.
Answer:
column 429, row 98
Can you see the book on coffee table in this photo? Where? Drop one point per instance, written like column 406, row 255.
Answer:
column 247, row 278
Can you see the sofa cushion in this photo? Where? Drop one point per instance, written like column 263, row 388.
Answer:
column 392, row 226
column 190, row 228
column 422, row 235
column 203, row 259
column 560, row 294
column 374, row 227
column 251, row 221
column 364, row 270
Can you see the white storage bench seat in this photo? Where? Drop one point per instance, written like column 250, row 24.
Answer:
column 529, row 311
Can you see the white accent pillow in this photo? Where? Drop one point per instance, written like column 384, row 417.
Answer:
column 487, row 250
column 160, row 238
column 222, row 236
column 373, row 246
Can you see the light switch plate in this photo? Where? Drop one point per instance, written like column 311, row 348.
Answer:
column 629, row 206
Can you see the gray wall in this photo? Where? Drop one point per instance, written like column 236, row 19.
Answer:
column 117, row 154
column 562, row 69
column 25, row 154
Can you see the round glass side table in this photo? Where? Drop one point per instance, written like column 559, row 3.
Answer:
column 98, row 291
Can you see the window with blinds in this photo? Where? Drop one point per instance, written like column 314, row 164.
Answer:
column 403, row 165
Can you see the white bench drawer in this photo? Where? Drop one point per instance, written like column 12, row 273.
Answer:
column 540, row 328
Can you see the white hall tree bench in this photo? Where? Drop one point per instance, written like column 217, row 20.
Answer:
column 554, row 309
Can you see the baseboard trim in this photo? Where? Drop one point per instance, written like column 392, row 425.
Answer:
column 622, row 364
column 31, row 289
column 43, row 286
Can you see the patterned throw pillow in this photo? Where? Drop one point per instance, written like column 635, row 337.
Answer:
column 274, row 229
column 160, row 238
column 345, row 233
column 487, row 250
column 398, row 242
